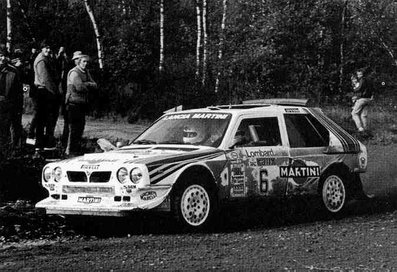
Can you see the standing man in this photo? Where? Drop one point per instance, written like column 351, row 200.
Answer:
column 79, row 85
column 10, row 86
column 63, row 69
column 363, row 93
column 48, row 97
column 16, row 113
column 33, row 96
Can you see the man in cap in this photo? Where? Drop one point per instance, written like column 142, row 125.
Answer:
column 10, row 86
column 48, row 97
column 65, row 133
column 79, row 85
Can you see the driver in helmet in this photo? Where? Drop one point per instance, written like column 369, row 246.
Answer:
column 192, row 135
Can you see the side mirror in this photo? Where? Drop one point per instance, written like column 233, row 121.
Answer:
column 105, row 145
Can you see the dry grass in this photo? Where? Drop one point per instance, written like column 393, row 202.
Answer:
column 382, row 122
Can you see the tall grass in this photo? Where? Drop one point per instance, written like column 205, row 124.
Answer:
column 382, row 121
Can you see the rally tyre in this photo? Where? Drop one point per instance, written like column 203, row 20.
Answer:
column 335, row 193
column 194, row 205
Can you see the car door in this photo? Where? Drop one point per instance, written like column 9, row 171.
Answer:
column 256, row 157
column 308, row 139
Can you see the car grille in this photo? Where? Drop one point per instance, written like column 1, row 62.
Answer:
column 88, row 190
column 95, row 177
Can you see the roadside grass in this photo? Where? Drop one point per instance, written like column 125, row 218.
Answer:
column 382, row 122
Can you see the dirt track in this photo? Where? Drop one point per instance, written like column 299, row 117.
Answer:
column 301, row 240
column 278, row 236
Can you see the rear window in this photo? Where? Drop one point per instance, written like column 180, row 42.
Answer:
column 305, row 131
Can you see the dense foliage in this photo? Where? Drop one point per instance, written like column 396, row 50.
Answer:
column 272, row 48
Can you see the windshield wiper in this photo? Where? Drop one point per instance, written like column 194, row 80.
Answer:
column 173, row 142
column 144, row 141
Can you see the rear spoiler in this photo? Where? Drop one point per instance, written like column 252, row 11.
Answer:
column 279, row 101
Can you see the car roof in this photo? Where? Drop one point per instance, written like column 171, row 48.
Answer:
column 248, row 106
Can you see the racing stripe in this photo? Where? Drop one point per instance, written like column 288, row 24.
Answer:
column 349, row 143
column 156, row 176
column 180, row 157
column 164, row 168
column 161, row 167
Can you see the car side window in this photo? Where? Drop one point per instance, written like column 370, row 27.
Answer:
column 259, row 132
column 305, row 131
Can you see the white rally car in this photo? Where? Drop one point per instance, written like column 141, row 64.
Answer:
column 189, row 162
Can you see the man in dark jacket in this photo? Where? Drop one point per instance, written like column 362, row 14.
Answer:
column 48, row 97
column 10, row 86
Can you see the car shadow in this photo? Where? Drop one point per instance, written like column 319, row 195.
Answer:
column 236, row 217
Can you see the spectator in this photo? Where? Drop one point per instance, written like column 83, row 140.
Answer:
column 47, row 98
column 79, row 85
column 10, row 86
column 33, row 96
column 63, row 68
column 16, row 112
column 363, row 95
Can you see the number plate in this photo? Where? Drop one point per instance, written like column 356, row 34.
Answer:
column 89, row 199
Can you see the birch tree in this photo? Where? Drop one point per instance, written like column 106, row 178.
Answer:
column 205, row 42
column 98, row 37
column 221, row 42
column 161, row 62
column 9, row 26
column 26, row 21
column 341, row 47
column 198, row 42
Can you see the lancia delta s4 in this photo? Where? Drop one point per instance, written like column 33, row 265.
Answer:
column 188, row 163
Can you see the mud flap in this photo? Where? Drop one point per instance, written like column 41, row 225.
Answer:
column 357, row 189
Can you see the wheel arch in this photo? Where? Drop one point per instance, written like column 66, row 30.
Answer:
column 338, row 167
column 194, row 170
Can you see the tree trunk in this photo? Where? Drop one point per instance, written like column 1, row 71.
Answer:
column 221, row 42
column 341, row 47
column 198, row 44
column 389, row 51
column 25, row 18
column 205, row 41
column 9, row 26
column 98, row 37
column 161, row 62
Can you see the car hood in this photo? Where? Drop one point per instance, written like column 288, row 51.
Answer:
column 149, row 155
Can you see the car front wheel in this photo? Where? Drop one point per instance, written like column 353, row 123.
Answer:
column 194, row 205
column 334, row 193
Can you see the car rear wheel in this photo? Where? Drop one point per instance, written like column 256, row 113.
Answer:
column 334, row 193
column 194, row 205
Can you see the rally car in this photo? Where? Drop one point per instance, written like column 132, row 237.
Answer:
column 190, row 162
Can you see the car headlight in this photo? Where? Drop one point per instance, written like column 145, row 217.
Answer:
column 136, row 175
column 57, row 174
column 122, row 175
column 47, row 174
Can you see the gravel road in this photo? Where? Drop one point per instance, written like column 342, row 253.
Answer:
column 281, row 236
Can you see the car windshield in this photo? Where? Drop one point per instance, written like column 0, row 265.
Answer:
column 187, row 128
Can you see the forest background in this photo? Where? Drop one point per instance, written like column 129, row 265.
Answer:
column 149, row 56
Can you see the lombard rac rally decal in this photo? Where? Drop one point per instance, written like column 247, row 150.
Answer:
column 150, row 195
column 300, row 172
